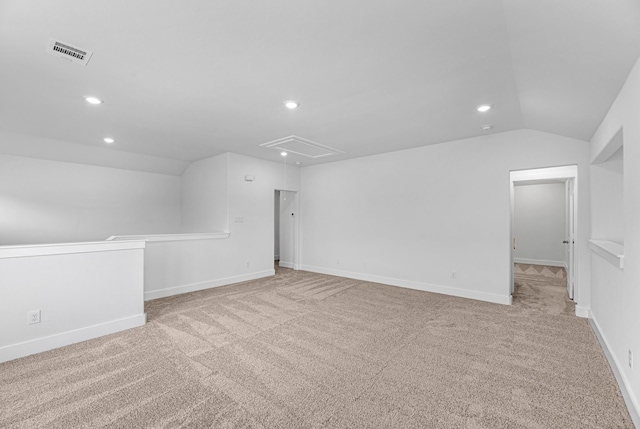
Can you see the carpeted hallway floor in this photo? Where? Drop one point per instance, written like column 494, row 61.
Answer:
column 303, row 350
column 542, row 288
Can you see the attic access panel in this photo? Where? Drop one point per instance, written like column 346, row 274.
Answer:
column 301, row 146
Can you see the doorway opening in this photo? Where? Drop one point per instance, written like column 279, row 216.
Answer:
column 545, row 247
column 285, row 229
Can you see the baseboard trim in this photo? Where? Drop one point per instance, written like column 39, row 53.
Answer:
column 426, row 287
column 583, row 312
column 540, row 262
column 193, row 287
column 629, row 399
column 285, row 264
column 39, row 345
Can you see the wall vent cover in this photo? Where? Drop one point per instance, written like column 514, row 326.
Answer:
column 303, row 147
column 68, row 52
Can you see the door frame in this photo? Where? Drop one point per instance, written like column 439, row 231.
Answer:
column 568, row 174
column 296, row 227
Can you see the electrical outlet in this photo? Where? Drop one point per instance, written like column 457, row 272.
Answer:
column 453, row 275
column 33, row 317
column 630, row 359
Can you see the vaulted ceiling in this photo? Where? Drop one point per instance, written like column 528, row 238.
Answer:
column 185, row 80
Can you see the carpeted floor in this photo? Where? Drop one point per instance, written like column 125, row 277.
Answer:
column 303, row 350
column 542, row 288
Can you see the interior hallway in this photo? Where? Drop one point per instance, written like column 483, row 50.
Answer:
column 542, row 288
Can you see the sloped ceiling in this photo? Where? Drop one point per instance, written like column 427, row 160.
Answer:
column 185, row 80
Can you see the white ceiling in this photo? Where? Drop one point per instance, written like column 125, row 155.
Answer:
column 185, row 80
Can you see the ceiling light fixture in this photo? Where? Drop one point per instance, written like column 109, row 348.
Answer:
column 283, row 153
column 486, row 127
column 291, row 104
column 108, row 140
column 483, row 108
column 93, row 100
column 298, row 163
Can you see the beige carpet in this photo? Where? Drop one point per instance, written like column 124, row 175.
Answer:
column 542, row 288
column 303, row 350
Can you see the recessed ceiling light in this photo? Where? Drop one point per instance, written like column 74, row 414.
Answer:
column 283, row 153
column 483, row 108
column 298, row 163
column 291, row 104
column 93, row 100
column 486, row 127
column 108, row 140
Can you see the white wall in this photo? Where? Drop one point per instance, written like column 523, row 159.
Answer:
column 82, row 291
column 539, row 224
column 253, row 239
column 184, row 266
column 617, row 298
column 44, row 201
column 413, row 217
column 204, row 195
column 607, row 203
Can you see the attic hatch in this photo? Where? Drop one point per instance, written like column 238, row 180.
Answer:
column 301, row 146
column 68, row 52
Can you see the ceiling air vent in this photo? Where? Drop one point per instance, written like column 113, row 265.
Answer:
column 68, row 52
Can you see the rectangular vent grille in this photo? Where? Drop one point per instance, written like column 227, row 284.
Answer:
column 69, row 52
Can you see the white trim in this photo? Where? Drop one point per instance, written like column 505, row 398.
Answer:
column 609, row 251
column 285, row 264
column 39, row 345
column 562, row 264
column 67, row 248
column 564, row 172
column 615, row 142
column 172, row 237
column 583, row 312
column 426, row 287
column 192, row 287
column 630, row 400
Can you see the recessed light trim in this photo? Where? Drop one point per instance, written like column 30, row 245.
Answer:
column 108, row 140
column 291, row 104
column 93, row 100
column 486, row 127
column 484, row 108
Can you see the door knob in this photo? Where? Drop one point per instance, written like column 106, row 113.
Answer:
column 565, row 241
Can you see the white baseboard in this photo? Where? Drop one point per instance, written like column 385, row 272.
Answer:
column 192, row 287
column 39, row 345
column 426, row 287
column 540, row 262
column 583, row 312
column 623, row 383
column 286, row 264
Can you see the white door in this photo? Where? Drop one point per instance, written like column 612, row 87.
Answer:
column 570, row 237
